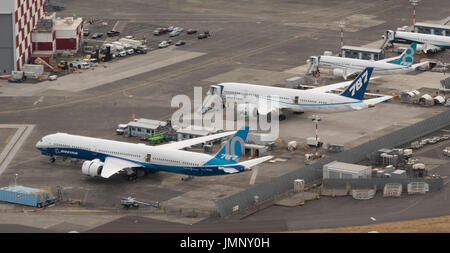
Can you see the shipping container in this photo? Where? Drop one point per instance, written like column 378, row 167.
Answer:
column 26, row 196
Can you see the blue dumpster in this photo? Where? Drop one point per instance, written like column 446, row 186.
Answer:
column 26, row 196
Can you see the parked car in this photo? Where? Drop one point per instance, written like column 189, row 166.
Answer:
column 163, row 44
column 113, row 33
column 174, row 33
column 85, row 32
column 170, row 28
column 131, row 37
column 191, row 31
column 180, row 29
column 160, row 31
column 202, row 36
column 97, row 35
column 180, row 43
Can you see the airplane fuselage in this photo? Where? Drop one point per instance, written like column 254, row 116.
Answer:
column 150, row 158
column 292, row 99
column 358, row 65
column 435, row 40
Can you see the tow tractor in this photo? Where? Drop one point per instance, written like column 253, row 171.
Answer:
column 132, row 202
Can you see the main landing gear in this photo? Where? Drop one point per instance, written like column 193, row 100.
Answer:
column 52, row 159
column 187, row 178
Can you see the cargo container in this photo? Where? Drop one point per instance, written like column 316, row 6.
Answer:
column 26, row 196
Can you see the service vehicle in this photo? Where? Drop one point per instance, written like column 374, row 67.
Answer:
column 97, row 35
column 180, row 43
column 113, row 33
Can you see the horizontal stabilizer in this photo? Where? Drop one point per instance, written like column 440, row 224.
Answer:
column 250, row 163
column 374, row 101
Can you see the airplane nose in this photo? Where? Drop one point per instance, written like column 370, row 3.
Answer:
column 39, row 145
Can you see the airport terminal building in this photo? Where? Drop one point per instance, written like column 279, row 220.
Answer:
column 17, row 19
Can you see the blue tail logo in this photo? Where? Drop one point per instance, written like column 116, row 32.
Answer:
column 232, row 150
column 407, row 57
column 358, row 87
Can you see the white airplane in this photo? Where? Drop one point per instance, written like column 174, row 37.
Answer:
column 106, row 158
column 427, row 42
column 346, row 67
column 251, row 98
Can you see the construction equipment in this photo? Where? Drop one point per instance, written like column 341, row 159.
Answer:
column 156, row 138
column 41, row 61
column 132, row 202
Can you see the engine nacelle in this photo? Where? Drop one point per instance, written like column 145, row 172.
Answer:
column 92, row 168
column 339, row 72
column 247, row 110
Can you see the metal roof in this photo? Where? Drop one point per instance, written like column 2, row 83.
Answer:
column 346, row 166
column 200, row 131
column 147, row 123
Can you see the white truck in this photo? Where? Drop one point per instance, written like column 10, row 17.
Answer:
column 121, row 129
column 120, row 49
column 137, row 45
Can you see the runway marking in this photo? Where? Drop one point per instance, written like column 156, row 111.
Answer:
column 198, row 67
column 114, row 27
column 39, row 100
column 253, row 177
column 14, row 144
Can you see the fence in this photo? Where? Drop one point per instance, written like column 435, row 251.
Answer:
column 267, row 190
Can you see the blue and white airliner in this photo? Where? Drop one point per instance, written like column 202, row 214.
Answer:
column 345, row 67
column 106, row 157
column 249, row 97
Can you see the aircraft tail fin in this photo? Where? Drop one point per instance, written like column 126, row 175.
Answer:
column 407, row 57
column 358, row 87
column 233, row 148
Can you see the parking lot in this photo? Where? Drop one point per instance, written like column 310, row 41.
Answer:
column 259, row 43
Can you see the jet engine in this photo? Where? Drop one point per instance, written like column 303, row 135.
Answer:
column 247, row 110
column 339, row 72
column 92, row 168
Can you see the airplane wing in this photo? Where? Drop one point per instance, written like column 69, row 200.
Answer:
column 250, row 163
column 426, row 47
column 113, row 165
column 335, row 86
column 195, row 141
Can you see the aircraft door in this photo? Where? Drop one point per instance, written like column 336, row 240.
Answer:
column 148, row 158
column 296, row 100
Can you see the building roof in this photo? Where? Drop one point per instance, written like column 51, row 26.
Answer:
column 199, row 131
column 68, row 23
column 147, row 123
column 346, row 166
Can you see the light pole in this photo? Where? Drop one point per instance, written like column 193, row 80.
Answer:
column 342, row 26
column 414, row 3
column 15, row 179
column 316, row 119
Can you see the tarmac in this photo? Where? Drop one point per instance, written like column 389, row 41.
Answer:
column 258, row 42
